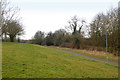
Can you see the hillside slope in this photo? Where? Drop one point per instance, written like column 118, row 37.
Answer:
column 21, row 60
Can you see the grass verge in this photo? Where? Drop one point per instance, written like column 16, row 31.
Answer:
column 99, row 54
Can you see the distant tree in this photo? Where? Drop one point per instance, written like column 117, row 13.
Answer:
column 50, row 39
column 75, row 25
column 67, row 38
column 101, row 24
column 118, row 31
column 98, row 30
column 8, row 13
column 14, row 28
column 39, row 37
column 113, row 28
column 18, row 39
column 58, row 36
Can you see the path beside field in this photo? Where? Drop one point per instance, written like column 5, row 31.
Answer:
column 99, row 59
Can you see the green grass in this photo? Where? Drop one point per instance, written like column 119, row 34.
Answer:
column 21, row 60
column 85, row 52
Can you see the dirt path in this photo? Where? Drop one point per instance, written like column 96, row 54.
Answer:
column 96, row 58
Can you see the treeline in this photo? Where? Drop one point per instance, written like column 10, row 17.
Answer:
column 105, row 24
column 57, row 38
column 74, row 34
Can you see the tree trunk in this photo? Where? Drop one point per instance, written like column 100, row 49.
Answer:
column 5, row 37
column 2, row 37
column 118, row 31
column 11, row 38
column 114, row 51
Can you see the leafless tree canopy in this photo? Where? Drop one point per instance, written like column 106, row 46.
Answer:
column 75, row 25
column 10, row 20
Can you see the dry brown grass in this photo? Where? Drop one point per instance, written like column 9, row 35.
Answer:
column 95, row 53
column 100, row 53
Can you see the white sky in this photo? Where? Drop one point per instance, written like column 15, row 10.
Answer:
column 51, row 15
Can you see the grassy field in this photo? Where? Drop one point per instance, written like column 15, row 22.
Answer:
column 99, row 54
column 21, row 60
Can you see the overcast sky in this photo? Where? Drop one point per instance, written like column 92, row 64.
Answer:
column 51, row 15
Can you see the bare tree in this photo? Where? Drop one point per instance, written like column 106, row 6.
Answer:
column 75, row 25
column 49, row 39
column 39, row 37
column 58, row 36
column 8, row 13
column 14, row 28
column 119, row 28
column 99, row 28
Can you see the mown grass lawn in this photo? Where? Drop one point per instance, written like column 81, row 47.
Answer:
column 21, row 60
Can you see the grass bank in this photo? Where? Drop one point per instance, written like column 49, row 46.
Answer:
column 21, row 60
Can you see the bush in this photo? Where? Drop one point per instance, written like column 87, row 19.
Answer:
column 67, row 45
